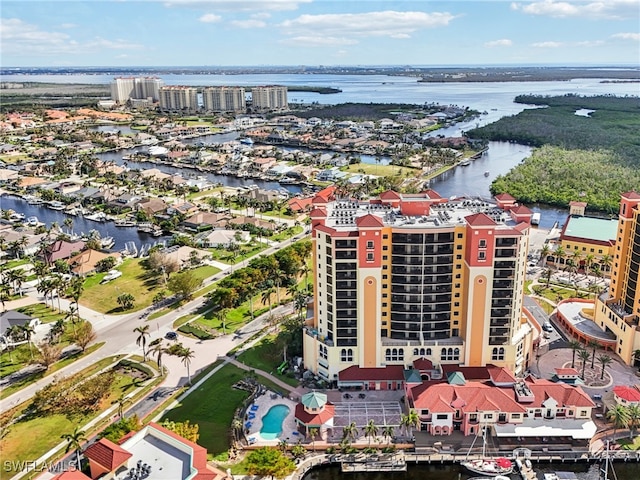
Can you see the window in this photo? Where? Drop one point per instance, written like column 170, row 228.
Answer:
column 323, row 352
column 369, row 244
column 447, row 354
column 487, row 416
column 482, row 255
column 346, row 355
column 442, row 416
column 394, row 355
column 482, row 243
column 497, row 353
column 370, row 257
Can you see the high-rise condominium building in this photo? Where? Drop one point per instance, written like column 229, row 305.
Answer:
column 178, row 99
column 618, row 309
column 403, row 277
column 269, row 98
column 224, row 99
column 124, row 89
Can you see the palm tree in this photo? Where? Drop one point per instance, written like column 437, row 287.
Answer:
column 68, row 222
column 575, row 346
column 28, row 331
column 387, row 432
column 76, row 287
column 158, row 350
column 413, row 420
column 122, row 401
column 126, row 301
column 143, row 334
column 604, row 360
column 545, row 251
column 558, row 253
column 74, row 441
column 371, row 430
column 634, row 418
column 547, row 275
column 619, row 415
column 593, row 345
column 584, row 356
column 266, row 297
column 605, row 263
column 350, row 432
column 313, row 433
column 186, row 354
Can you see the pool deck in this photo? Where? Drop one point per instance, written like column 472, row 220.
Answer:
column 264, row 403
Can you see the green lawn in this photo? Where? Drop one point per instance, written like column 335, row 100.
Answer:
column 380, row 170
column 45, row 313
column 630, row 444
column 16, row 263
column 267, row 356
column 141, row 283
column 244, row 252
column 30, row 438
column 212, row 407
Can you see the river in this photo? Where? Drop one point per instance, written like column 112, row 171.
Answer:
column 623, row 471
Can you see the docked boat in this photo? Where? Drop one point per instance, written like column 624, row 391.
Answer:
column 56, row 205
column 485, row 465
column 246, row 141
column 125, row 223
column 560, row 476
column 496, row 477
column 156, row 232
column 33, row 221
column 107, row 242
column 16, row 217
column 146, row 227
column 97, row 217
column 465, row 163
column 33, row 200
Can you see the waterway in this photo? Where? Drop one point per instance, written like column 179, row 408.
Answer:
column 623, row 471
column 81, row 225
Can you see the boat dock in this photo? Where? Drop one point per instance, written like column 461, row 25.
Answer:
column 391, row 462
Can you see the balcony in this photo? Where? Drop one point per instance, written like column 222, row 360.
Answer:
column 346, row 255
column 351, row 275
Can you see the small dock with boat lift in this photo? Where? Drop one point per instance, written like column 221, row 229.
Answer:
column 384, row 462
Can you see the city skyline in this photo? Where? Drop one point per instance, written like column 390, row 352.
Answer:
column 318, row 32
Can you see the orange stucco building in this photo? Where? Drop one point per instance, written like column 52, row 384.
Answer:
column 402, row 277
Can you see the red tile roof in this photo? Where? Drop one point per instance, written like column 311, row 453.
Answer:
column 355, row 373
column 521, row 210
column 480, row 220
column 107, row 454
column 578, row 204
column 631, row 195
column 630, row 394
column 314, row 419
column 390, row 195
column 423, row 364
column 504, row 196
column 71, row 475
column 369, row 221
column 500, row 375
column 299, row 204
column 318, row 213
column 565, row 395
column 566, row 371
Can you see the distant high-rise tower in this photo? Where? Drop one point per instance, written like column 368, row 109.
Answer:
column 408, row 276
column 269, row 98
column 618, row 310
column 224, row 99
column 124, row 89
column 179, row 99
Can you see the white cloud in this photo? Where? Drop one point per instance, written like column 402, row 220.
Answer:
column 21, row 38
column 612, row 9
column 261, row 15
column 317, row 41
column 251, row 23
column 584, row 43
column 68, row 25
column 210, row 18
column 238, row 5
column 503, row 42
column 627, row 36
column 361, row 25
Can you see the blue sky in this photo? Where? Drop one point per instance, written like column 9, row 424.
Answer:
column 318, row 32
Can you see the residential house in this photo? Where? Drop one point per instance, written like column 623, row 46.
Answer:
column 182, row 208
column 33, row 242
column 256, row 222
column 151, row 206
column 86, row 261
column 11, row 318
column 222, row 238
column 204, row 221
column 124, row 202
column 62, row 250
column 627, row 395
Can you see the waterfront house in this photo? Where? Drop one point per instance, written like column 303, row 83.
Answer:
column 221, row 238
column 124, row 202
column 85, row 262
column 62, row 250
column 32, row 242
column 204, row 221
column 182, row 208
column 151, row 206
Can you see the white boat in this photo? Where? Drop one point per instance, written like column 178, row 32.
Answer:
column 125, row 223
column 33, row 221
column 485, row 465
column 16, row 217
column 496, row 477
column 560, row 476
column 56, row 205
column 535, row 218
column 465, row 163
column 246, row 141
column 97, row 217
column 33, row 200
column 107, row 242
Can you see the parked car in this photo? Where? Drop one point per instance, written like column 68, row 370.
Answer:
column 171, row 336
column 547, row 327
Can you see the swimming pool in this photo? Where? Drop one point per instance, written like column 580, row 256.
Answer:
column 272, row 422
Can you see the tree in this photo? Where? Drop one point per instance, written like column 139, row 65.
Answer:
column 121, row 401
column 634, row 419
column 84, row 335
column 28, row 331
column 57, row 329
column 184, row 284
column 584, row 356
column 156, row 348
column 266, row 297
column 371, row 430
column 409, row 421
column 159, row 297
column 126, row 301
column 143, row 334
column 186, row 354
column 619, row 415
column 271, row 462
column 313, row 433
column 593, row 345
column 558, row 254
column 49, row 354
column 74, row 441
column 350, row 432
column 387, row 432
column 604, row 361
column 575, row 346
column 184, row 429
column 545, row 251
column 105, row 264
